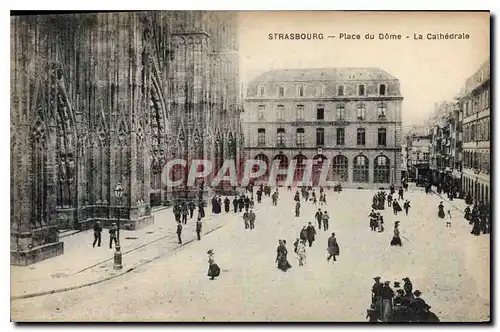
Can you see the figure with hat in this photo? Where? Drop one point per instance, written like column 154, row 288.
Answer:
column 227, row 204
column 421, row 308
column 373, row 314
column 408, row 287
column 319, row 218
column 179, row 231
column 311, row 234
column 380, row 222
column 112, row 235
column 198, row 229
column 406, row 206
column 333, row 248
column 213, row 268
column 251, row 219
column 326, row 219
column 387, row 296
column 281, row 257
column 377, row 292
column 396, row 207
column 396, row 240
column 401, row 312
column 297, row 209
column 441, row 210
column 97, row 234
column 373, row 221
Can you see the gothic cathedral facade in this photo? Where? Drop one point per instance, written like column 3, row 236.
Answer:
column 99, row 99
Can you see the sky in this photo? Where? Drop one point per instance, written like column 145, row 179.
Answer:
column 429, row 71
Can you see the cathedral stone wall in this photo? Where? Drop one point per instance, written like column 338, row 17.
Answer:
column 108, row 98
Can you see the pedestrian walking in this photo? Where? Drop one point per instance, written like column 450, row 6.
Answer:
column 235, row 205
column 448, row 222
column 227, row 203
column 97, row 234
column 185, row 214
column 311, row 234
column 213, row 268
column 251, row 219
column 326, row 219
column 112, row 235
column 406, row 206
column 179, row 231
column 301, row 252
column 281, row 257
column 319, row 218
column 192, row 207
column 401, row 193
column 333, row 248
column 396, row 240
column 297, row 209
column 198, row 229
column 246, row 219
column 441, row 210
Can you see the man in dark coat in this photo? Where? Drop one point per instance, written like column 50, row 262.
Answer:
column 401, row 193
column 226, row 204
column 311, row 234
column 319, row 218
column 179, row 231
column 198, row 229
column 235, row 204
column 377, row 291
column 297, row 209
column 333, row 248
column 251, row 219
column 97, row 234
column 192, row 207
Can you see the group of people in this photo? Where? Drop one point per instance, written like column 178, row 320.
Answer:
column 183, row 209
column 402, row 305
column 376, row 221
column 479, row 218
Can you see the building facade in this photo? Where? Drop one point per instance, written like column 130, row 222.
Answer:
column 108, row 98
column 418, row 144
column 475, row 107
column 445, row 145
column 348, row 116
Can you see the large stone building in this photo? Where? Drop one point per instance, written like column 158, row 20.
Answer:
column 108, row 98
column 350, row 116
column 475, row 106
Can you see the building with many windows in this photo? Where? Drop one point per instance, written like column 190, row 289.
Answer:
column 417, row 152
column 475, row 106
column 445, row 145
column 348, row 116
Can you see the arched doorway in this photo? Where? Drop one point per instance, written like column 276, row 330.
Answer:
column 381, row 170
column 339, row 169
column 255, row 168
column 300, row 166
column 282, row 165
column 360, row 169
column 318, row 161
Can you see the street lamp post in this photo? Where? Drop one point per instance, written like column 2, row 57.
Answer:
column 118, row 254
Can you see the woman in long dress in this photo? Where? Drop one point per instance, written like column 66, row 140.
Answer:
column 441, row 211
column 281, row 258
column 213, row 268
column 396, row 240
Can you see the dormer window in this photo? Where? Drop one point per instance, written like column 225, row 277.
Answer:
column 301, row 91
column 262, row 91
column 340, row 90
column 381, row 89
column 361, row 90
column 281, row 91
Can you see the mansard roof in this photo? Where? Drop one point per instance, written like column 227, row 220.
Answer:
column 324, row 74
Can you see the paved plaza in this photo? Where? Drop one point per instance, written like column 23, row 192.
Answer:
column 449, row 266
